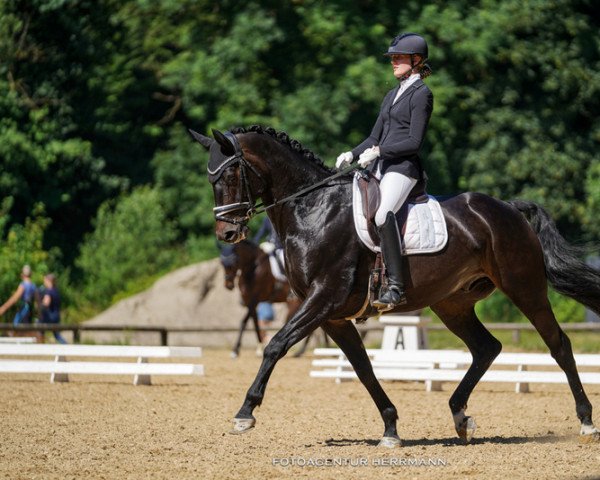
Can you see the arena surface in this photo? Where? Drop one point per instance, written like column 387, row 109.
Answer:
column 105, row 428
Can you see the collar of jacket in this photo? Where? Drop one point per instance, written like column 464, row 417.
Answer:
column 410, row 88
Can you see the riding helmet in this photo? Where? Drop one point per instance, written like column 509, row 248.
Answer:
column 410, row 44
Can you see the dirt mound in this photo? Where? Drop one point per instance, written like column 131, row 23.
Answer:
column 193, row 296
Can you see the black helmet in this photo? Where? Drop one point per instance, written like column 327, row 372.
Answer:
column 409, row 44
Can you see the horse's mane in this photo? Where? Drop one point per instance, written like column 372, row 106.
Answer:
column 284, row 138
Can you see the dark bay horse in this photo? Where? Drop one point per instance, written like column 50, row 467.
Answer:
column 512, row 246
column 247, row 263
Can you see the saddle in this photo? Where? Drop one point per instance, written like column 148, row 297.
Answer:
column 420, row 220
column 368, row 185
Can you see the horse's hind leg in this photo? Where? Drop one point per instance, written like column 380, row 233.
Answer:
column 344, row 333
column 459, row 316
column 535, row 306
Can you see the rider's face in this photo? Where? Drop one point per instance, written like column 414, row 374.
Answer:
column 400, row 64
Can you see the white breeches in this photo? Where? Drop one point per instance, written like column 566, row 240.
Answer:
column 394, row 188
column 275, row 266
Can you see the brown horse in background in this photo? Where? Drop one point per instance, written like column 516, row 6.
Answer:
column 250, row 265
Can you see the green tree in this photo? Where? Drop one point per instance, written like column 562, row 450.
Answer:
column 42, row 158
column 131, row 240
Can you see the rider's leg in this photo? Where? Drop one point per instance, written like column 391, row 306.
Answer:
column 395, row 189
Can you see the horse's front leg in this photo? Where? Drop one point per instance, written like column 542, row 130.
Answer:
column 310, row 315
column 236, row 349
column 304, row 346
column 344, row 333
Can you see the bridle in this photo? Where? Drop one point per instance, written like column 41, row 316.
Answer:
column 249, row 207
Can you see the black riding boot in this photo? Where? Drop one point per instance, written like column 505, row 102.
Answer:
column 391, row 250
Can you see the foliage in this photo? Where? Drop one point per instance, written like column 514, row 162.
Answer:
column 96, row 97
column 528, row 341
column 498, row 308
column 130, row 240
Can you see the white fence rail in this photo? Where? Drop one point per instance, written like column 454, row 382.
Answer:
column 436, row 366
column 60, row 368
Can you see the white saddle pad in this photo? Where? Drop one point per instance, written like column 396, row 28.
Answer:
column 425, row 231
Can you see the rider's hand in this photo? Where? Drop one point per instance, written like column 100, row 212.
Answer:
column 343, row 160
column 368, row 156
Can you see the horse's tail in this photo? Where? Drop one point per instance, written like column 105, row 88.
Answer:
column 566, row 272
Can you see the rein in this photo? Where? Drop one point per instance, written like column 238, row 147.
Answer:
column 307, row 189
column 250, row 208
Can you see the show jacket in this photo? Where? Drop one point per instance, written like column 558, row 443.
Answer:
column 400, row 130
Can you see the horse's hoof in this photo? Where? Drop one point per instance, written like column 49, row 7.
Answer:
column 589, row 438
column 466, row 429
column 233, row 354
column 390, row 442
column 242, row 425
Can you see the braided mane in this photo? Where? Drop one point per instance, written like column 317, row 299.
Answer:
column 284, row 138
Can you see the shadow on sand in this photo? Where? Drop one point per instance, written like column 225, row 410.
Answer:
column 453, row 442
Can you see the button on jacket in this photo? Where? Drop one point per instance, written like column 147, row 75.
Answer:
column 400, row 130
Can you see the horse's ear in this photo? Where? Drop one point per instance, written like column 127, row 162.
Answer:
column 206, row 142
column 227, row 147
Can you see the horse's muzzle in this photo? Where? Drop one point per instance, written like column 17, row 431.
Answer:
column 230, row 233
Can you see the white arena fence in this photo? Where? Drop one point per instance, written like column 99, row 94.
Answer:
column 60, row 368
column 436, row 366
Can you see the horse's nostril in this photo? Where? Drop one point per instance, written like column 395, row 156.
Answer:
column 230, row 235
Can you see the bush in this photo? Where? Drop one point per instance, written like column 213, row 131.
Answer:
column 498, row 308
column 131, row 240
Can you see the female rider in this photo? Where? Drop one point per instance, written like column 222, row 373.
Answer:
column 394, row 145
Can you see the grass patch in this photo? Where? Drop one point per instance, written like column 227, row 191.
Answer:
column 529, row 341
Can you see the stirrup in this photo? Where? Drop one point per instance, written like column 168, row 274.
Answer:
column 392, row 297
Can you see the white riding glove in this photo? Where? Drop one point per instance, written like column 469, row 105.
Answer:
column 368, row 156
column 344, row 160
column 267, row 247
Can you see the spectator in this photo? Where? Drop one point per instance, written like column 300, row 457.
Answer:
column 25, row 295
column 51, row 305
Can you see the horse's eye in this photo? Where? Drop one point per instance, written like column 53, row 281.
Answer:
column 229, row 176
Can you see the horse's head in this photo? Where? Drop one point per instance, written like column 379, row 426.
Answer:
column 236, row 182
column 230, row 261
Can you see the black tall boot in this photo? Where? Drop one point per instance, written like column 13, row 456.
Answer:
column 393, row 295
